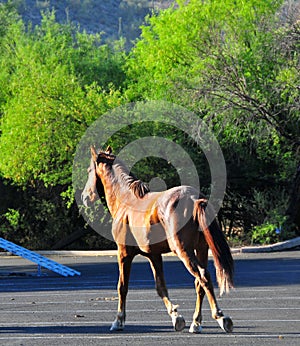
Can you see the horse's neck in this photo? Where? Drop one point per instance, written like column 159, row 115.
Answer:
column 114, row 192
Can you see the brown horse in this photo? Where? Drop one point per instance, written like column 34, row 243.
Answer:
column 153, row 223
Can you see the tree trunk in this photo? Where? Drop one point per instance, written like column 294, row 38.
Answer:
column 293, row 211
column 71, row 238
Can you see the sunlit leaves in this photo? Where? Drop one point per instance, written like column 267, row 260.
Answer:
column 55, row 81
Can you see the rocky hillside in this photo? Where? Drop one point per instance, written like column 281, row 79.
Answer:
column 114, row 18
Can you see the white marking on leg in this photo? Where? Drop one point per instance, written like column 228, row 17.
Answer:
column 195, row 328
column 118, row 323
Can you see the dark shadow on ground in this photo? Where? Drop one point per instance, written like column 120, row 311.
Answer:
column 130, row 329
column 253, row 272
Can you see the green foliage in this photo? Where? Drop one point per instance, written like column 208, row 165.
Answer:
column 82, row 53
column 55, row 83
column 179, row 44
column 39, row 221
column 267, row 233
column 68, row 196
column 274, row 229
column 13, row 219
column 229, row 62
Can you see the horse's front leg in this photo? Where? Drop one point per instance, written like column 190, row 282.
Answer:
column 124, row 261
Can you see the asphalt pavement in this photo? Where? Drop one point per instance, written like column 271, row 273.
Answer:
column 53, row 310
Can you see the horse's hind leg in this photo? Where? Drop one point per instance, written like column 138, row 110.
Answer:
column 157, row 268
column 196, row 326
column 204, row 286
column 224, row 322
column 202, row 257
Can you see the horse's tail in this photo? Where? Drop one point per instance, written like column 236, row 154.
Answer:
column 217, row 243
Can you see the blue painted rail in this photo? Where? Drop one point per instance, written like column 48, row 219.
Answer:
column 40, row 260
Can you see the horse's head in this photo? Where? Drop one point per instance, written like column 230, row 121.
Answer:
column 93, row 187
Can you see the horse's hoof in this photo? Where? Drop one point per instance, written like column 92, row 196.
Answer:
column 226, row 324
column 178, row 323
column 116, row 326
column 195, row 328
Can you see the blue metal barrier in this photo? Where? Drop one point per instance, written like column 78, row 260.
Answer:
column 40, row 260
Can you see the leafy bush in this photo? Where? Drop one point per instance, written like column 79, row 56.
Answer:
column 267, row 233
column 11, row 221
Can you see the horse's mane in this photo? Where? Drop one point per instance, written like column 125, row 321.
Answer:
column 122, row 174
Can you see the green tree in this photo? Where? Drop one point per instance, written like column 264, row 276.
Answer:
column 236, row 64
column 56, row 84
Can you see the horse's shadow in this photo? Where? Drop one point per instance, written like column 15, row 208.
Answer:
column 88, row 330
column 101, row 329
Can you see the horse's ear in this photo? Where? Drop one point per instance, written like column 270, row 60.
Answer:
column 108, row 150
column 94, row 153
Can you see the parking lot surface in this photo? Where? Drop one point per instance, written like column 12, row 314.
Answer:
column 53, row 310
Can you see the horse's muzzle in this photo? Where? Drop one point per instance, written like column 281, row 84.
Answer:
column 85, row 199
column 88, row 198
